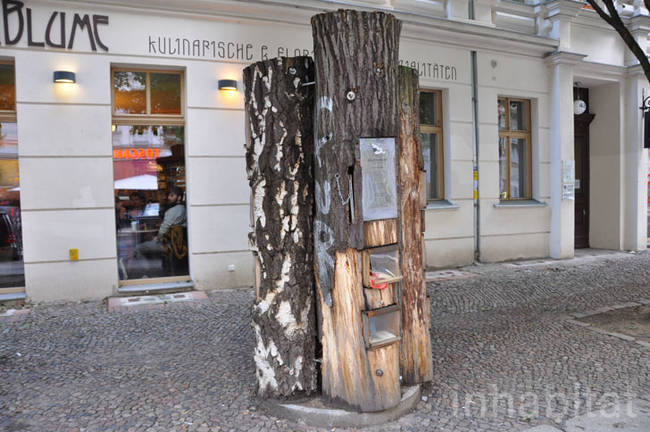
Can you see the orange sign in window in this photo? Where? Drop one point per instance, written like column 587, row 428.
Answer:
column 136, row 153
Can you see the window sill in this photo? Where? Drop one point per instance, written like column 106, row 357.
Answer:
column 441, row 205
column 520, row 203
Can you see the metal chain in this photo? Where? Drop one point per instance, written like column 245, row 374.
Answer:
column 344, row 201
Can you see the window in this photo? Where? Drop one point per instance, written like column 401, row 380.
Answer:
column 12, row 273
column 514, row 149
column 148, row 137
column 431, row 142
column 147, row 97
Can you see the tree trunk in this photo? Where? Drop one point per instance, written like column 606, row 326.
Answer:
column 356, row 57
column 415, row 359
column 279, row 154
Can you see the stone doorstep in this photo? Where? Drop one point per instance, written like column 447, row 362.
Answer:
column 137, row 303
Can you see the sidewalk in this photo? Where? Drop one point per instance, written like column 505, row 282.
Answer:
column 630, row 417
column 505, row 357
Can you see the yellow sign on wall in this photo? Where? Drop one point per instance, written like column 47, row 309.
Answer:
column 74, row 254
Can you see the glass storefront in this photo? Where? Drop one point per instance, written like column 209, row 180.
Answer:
column 12, row 269
column 149, row 174
column 150, row 214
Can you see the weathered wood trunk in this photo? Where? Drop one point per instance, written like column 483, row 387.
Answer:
column 279, row 157
column 356, row 57
column 415, row 357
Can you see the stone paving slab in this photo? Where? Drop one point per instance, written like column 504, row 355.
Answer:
column 544, row 428
column 628, row 417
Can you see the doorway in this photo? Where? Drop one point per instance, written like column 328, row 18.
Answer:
column 581, row 156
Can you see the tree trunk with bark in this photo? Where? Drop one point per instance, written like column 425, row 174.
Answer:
column 415, row 358
column 279, row 154
column 356, row 58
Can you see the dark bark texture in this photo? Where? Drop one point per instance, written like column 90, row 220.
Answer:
column 279, row 157
column 356, row 58
column 415, row 357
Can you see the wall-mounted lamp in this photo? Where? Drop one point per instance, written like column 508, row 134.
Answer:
column 227, row 84
column 64, row 77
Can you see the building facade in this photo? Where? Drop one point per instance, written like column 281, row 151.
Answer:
column 530, row 125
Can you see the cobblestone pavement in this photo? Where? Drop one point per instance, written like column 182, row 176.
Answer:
column 501, row 346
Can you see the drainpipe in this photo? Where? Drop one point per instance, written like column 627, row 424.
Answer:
column 477, row 203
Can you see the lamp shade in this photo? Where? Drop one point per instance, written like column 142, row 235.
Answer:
column 64, row 77
column 227, row 84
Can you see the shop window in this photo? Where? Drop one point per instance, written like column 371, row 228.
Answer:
column 431, row 142
column 147, row 93
column 148, row 136
column 514, row 149
column 12, row 272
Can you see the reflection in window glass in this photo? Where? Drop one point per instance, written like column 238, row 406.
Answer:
column 7, row 87
column 430, row 117
column 517, row 116
column 431, row 153
column 514, row 149
column 502, row 114
column 12, row 273
column 429, row 108
column 503, row 169
column 130, row 92
column 518, row 174
column 165, row 93
column 150, row 214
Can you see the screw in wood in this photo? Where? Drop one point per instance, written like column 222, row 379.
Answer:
column 350, row 95
column 379, row 372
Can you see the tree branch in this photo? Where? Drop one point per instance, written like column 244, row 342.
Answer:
column 614, row 20
column 601, row 12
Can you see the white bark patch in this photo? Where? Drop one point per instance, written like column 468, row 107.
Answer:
column 295, row 371
column 294, row 208
column 279, row 198
column 279, row 153
column 259, row 200
column 284, row 276
column 263, row 356
column 288, row 321
column 266, row 302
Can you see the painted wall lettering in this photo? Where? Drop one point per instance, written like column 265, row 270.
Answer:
column 215, row 49
column 16, row 18
column 432, row 70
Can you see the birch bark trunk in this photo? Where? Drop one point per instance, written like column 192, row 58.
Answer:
column 279, row 157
